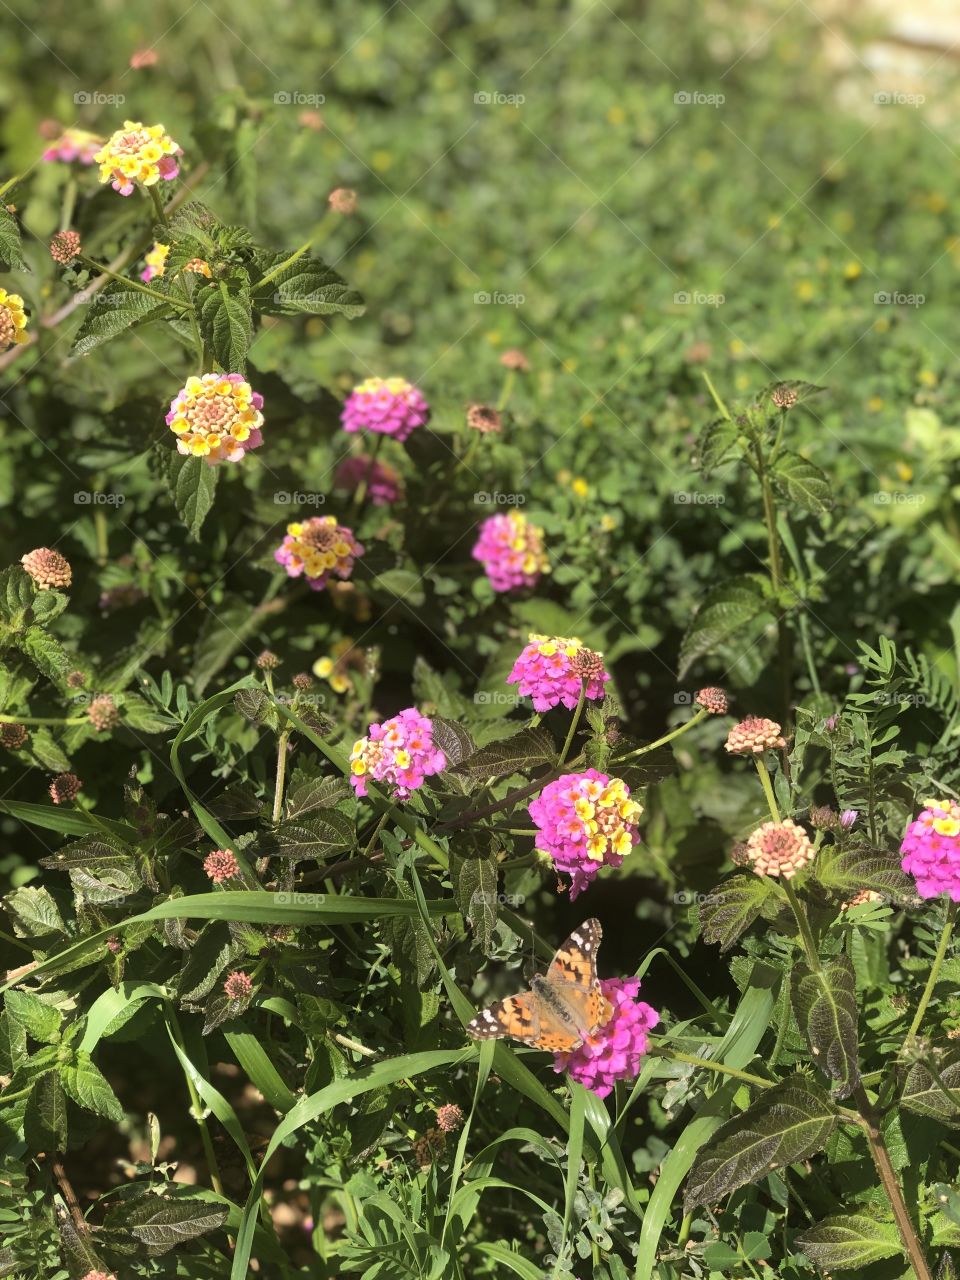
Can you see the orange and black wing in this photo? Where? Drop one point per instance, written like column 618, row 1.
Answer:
column 518, row 1017
column 575, row 964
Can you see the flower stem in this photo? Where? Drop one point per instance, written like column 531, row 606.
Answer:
column 701, row 714
column 891, row 1186
column 42, row 720
column 662, row 1051
column 131, row 284
column 196, row 1106
column 282, row 741
column 574, row 722
column 371, row 460
column 767, row 788
column 935, row 968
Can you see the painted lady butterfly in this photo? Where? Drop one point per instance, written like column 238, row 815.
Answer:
column 562, row 1008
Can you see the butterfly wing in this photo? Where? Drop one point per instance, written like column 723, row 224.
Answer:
column 573, row 978
column 517, row 1017
column 575, row 964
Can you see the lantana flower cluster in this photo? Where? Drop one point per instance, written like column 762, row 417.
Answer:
column 511, row 550
column 74, row 146
column 931, row 849
column 779, row 849
column 13, row 320
column 388, row 406
column 156, row 261
column 318, row 549
column 586, row 821
column 138, row 153
column 217, row 417
column 551, row 670
column 400, row 752
column 615, row 1050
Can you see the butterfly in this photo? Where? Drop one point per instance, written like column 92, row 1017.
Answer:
column 563, row 1008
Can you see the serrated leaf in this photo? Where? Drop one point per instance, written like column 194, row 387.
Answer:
column 857, row 869
column 114, row 311
column 316, row 793
column 255, row 705
column 788, row 1122
column 163, row 1222
column 927, row 1095
column 47, row 750
column 84, row 1082
column 453, row 740
column 40, row 1021
column 525, row 750
column 725, row 610
column 849, row 1241
column 801, row 482
column 33, row 912
column 48, row 605
column 716, row 442
column 305, row 286
column 226, row 323
column 13, row 1044
column 45, row 1119
column 192, row 483
column 825, row 1004
column 318, row 837
column 46, row 653
column 10, row 251
column 729, row 909
column 475, row 879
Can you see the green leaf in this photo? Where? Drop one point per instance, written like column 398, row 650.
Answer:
column 525, row 750
column 89, row 1088
column 730, row 908
column 114, row 311
column 48, row 605
column 849, row 1241
column 929, row 1095
column 39, row 1020
column 45, row 1119
column 17, row 594
column 254, row 705
column 302, row 286
column 787, row 1123
column 716, row 442
column 801, row 482
column 825, row 1004
column 453, row 740
column 315, row 793
column 226, row 323
column 10, row 252
column 725, row 610
column 405, row 584
column 13, row 1044
column 863, row 868
column 33, row 912
column 318, row 837
column 475, row 879
column 192, row 483
column 46, row 653
column 163, row 1222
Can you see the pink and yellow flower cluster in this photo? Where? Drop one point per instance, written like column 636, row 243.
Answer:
column 138, row 153
column 74, row 146
column 13, row 320
column 388, row 406
column 400, row 752
column 217, row 417
column 318, row 549
column 511, row 550
column 586, row 821
column 931, row 849
column 615, row 1049
column 551, row 670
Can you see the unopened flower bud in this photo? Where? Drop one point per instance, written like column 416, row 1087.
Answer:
column 712, row 699
column 65, row 247
column 64, row 788
column 47, row 568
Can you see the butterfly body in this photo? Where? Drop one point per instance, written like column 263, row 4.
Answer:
column 563, row 1007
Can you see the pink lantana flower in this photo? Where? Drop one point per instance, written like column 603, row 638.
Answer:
column 400, row 752
column 615, row 1050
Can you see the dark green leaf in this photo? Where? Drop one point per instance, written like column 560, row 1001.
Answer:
column 89, row 1088
column 114, row 311
column 304, row 286
column 163, row 1222
column 33, row 912
column 46, row 653
column 10, row 251
column 730, row 908
column 788, row 1122
column 316, row 793
column 934, row 1089
column 525, row 750
column 475, row 879
column 725, row 610
column 39, row 1020
column 45, row 1119
column 825, row 1004
column 192, row 483
column 857, row 869
column 849, row 1241
column 716, row 443
column 224, row 316
column 318, row 837
column 453, row 740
